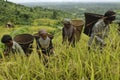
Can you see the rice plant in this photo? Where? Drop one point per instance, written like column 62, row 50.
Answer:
column 67, row 63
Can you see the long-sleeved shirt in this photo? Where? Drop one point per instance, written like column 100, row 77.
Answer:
column 68, row 34
column 99, row 32
column 16, row 48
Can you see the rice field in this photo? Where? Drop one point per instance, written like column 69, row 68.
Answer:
column 67, row 63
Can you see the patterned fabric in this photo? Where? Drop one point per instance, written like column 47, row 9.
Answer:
column 99, row 32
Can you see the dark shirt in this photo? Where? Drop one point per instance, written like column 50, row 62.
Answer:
column 68, row 34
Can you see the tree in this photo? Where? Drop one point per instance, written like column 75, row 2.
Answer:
column 54, row 15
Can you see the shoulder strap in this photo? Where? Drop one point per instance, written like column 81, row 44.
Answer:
column 38, row 43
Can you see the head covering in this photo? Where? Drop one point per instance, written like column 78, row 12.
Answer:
column 110, row 15
column 42, row 32
column 67, row 21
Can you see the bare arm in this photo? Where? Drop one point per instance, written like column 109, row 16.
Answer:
column 38, row 44
column 51, row 45
column 6, row 51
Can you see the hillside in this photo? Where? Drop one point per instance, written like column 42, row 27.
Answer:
column 77, row 8
column 19, row 14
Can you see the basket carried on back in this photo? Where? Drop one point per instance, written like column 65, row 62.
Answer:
column 90, row 20
column 78, row 24
column 25, row 40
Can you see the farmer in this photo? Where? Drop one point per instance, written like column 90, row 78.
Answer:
column 44, row 42
column 9, row 25
column 101, row 29
column 68, row 32
column 11, row 46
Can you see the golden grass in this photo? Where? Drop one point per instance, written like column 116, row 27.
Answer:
column 68, row 63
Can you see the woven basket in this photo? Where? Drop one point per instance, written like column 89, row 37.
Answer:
column 78, row 24
column 90, row 20
column 25, row 40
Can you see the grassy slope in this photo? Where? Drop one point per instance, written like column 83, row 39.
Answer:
column 19, row 14
column 67, row 64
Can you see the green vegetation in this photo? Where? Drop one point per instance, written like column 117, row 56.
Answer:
column 47, row 22
column 67, row 63
column 22, row 15
column 77, row 9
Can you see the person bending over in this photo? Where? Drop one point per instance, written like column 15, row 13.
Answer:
column 11, row 46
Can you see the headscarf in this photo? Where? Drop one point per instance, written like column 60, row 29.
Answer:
column 110, row 15
column 67, row 21
column 42, row 32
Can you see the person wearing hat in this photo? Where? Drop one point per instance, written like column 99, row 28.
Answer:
column 44, row 42
column 101, row 29
column 11, row 46
column 68, row 32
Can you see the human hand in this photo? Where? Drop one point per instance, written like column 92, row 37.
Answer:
column 5, row 53
column 51, row 51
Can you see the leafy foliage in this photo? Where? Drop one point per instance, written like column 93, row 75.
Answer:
column 77, row 9
column 67, row 63
column 19, row 14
